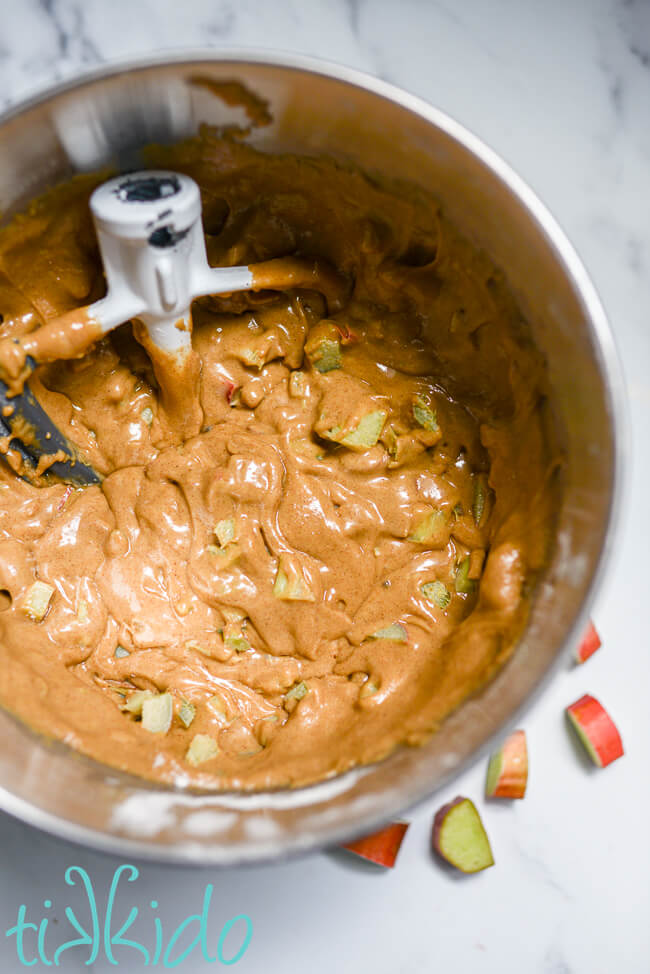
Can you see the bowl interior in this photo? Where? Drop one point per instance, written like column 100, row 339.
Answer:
column 107, row 118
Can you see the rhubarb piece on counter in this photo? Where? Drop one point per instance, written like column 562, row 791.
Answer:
column 380, row 847
column 589, row 644
column 459, row 838
column 507, row 774
column 596, row 730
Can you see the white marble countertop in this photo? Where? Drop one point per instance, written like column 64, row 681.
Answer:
column 561, row 89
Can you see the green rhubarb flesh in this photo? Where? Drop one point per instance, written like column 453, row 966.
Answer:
column 424, row 415
column 495, row 767
column 437, row 593
column 225, row 531
column 291, row 587
column 395, row 632
column 584, row 740
column 239, row 644
column 202, row 748
column 136, row 701
column 430, row 528
column 157, row 713
column 37, row 600
column 186, row 713
column 325, row 356
column 366, row 432
column 464, row 584
column 251, row 357
column 297, row 385
column 463, row 840
column 480, row 497
column 224, row 557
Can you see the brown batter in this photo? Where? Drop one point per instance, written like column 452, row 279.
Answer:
column 345, row 550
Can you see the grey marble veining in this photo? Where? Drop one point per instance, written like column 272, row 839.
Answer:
column 561, row 88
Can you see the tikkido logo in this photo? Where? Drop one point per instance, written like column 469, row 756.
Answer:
column 35, row 943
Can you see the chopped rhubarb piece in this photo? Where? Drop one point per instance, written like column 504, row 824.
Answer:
column 458, row 837
column 507, row 774
column 480, row 497
column 589, row 644
column 432, row 530
column 225, row 531
column 368, row 689
column 297, row 385
column 464, row 584
column 186, row 713
column 596, row 730
column 237, row 642
column 437, row 593
column 396, row 632
column 37, row 600
column 224, row 557
column 203, row 748
column 367, row 432
column 322, row 348
column 136, row 701
column 290, row 585
column 297, row 691
column 380, row 847
column 157, row 713
column 362, row 436
column 423, row 414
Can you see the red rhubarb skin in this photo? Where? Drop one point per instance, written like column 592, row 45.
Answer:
column 514, row 771
column 599, row 727
column 380, row 847
column 590, row 643
column 438, row 822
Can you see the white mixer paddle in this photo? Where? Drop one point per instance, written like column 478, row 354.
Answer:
column 155, row 264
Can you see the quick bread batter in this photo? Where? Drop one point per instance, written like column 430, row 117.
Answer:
column 334, row 544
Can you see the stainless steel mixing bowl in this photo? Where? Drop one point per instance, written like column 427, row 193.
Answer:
column 318, row 107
